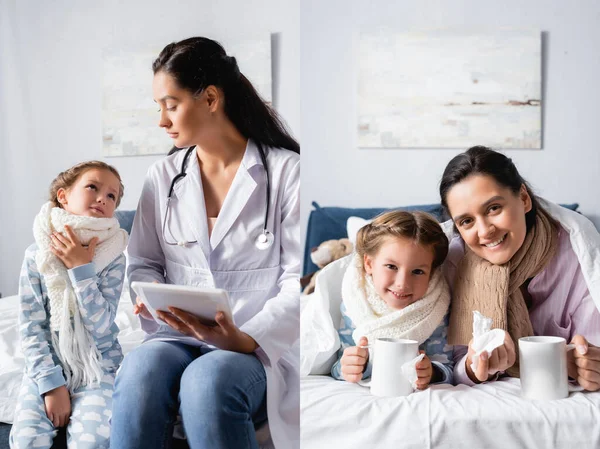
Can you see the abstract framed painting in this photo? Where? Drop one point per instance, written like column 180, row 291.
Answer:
column 447, row 89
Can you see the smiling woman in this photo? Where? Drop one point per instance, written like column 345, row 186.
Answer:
column 514, row 263
column 490, row 217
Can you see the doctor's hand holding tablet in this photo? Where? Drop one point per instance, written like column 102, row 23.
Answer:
column 202, row 313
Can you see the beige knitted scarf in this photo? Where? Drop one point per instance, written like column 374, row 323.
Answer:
column 495, row 290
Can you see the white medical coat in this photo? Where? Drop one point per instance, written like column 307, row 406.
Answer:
column 263, row 285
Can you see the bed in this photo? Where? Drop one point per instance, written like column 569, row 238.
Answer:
column 339, row 414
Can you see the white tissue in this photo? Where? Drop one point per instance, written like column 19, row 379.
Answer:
column 484, row 338
column 409, row 370
column 481, row 324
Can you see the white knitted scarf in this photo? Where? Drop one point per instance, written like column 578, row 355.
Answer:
column 373, row 318
column 74, row 345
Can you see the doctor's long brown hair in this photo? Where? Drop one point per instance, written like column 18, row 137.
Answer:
column 198, row 62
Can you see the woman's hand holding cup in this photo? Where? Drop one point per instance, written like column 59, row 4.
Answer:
column 354, row 360
column 584, row 363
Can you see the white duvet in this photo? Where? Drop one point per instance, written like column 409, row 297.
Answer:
column 336, row 414
column 339, row 414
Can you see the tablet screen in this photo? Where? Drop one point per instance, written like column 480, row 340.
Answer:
column 202, row 302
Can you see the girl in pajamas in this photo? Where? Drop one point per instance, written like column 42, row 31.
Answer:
column 70, row 284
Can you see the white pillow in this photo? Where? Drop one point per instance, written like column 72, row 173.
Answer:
column 353, row 225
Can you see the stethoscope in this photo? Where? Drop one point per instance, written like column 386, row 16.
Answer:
column 263, row 241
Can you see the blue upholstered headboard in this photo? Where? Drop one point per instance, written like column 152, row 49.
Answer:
column 125, row 218
column 327, row 223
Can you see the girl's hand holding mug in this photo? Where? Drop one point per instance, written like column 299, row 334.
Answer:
column 58, row 406
column 424, row 372
column 502, row 358
column 354, row 361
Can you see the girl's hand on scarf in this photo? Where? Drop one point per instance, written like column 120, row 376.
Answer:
column 70, row 250
column 354, row 361
column 502, row 358
column 584, row 363
column 223, row 334
column 424, row 372
column 58, row 406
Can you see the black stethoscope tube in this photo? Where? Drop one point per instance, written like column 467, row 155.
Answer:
column 264, row 240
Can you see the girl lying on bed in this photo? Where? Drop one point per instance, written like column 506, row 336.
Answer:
column 70, row 285
column 395, row 289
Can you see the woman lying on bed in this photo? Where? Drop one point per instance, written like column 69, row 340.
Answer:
column 515, row 263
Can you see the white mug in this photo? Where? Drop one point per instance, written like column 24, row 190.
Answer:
column 387, row 357
column 543, row 367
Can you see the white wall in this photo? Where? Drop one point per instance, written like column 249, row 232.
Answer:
column 336, row 173
column 50, row 88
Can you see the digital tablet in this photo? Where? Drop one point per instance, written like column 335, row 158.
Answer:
column 202, row 302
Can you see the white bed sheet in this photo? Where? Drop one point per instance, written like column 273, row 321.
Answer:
column 12, row 362
column 493, row 415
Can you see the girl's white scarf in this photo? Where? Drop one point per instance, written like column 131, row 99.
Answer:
column 74, row 346
column 373, row 318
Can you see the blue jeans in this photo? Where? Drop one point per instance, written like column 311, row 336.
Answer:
column 220, row 395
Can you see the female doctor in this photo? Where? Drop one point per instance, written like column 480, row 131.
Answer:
column 202, row 220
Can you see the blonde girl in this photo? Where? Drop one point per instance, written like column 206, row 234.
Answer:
column 394, row 289
column 69, row 289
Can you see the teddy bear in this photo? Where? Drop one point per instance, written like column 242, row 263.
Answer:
column 324, row 254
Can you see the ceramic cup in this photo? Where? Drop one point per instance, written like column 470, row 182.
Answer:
column 543, row 366
column 387, row 356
